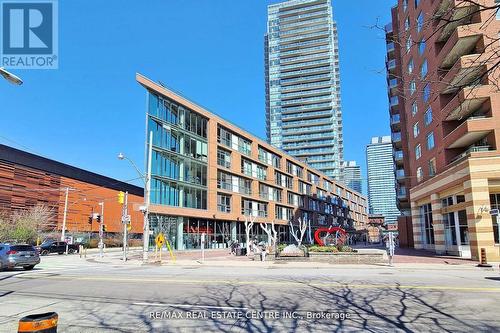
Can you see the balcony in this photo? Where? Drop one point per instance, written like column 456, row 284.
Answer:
column 461, row 14
column 400, row 175
column 466, row 70
column 393, row 85
column 393, row 101
column 390, row 47
column 398, row 157
column 469, row 132
column 473, row 150
column 396, row 139
column 391, row 66
column 401, row 193
column 395, row 121
column 462, row 42
column 468, row 100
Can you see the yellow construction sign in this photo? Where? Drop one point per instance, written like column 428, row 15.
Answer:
column 160, row 240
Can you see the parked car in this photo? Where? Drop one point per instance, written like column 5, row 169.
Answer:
column 18, row 255
column 52, row 246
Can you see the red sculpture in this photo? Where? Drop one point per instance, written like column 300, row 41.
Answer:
column 330, row 230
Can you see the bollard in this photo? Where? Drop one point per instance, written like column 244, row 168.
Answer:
column 43, row 322
column 482, row 260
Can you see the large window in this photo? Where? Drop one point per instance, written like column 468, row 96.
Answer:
column 304, row 188
column 428, row 116
column 269, row 158
column 270, row 193
column 420, row 174
column 423, row 69
column 427, row 93
column 233, row 183
column 430, row 140
column 432, row 167
column 253, row 170
column 416, row 130
column 172, row 113
column 170, row 139
column 427, row 224
column 420, row 21
column 413, row 87
column 164, row 192
column 418, row 151
column 168, row 165
column 414, row 108
column 410, row 66
column 283, row 213
column 294, row 169
column 223, row 203
column 283, row 180
column 223, row 158
column 421, row 47
column 231, row 140
column 253, row 208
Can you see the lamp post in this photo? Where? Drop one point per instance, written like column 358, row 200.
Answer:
column 147, row 188
column 10, row 77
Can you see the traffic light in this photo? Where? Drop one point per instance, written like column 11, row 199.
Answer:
column 121, row 197
column 104, row 229
column 90, row 219
column 129, row 226
column 98, row 219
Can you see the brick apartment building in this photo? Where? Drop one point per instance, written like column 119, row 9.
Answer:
column 27, row 180
column 208, row 175
column 443, row 83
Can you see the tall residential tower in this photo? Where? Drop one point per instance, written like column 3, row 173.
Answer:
column 351, row 175
column 381, row 191
column 303, row 115
column 444, row 93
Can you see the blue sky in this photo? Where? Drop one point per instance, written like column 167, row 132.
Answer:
column 91, row 108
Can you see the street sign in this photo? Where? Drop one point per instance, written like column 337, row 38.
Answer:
column 126, row 219
column 494, row 212
column 160, row 240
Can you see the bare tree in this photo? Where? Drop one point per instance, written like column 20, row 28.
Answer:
column 249, row 221
column 272, row 235
column 26, row 224
column 299, row 234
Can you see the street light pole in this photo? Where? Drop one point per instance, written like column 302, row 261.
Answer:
column 147, row 190
column 147, row 197
column 63, row 232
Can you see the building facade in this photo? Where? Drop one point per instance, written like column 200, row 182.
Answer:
column 381, row 179
column 303, row 114
column 208, row 176
column 445, row 118
column 351, row 176
column 28, row 180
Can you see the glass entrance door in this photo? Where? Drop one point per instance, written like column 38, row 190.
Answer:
column 463, row 234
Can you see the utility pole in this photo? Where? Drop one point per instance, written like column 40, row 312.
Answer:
column 63, row 233
column 147, row 197
column 101, row 232
column 125, row 220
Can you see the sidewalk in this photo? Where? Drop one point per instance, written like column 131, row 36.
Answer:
column 222, row 258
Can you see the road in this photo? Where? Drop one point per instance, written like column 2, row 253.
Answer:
column 111, row 297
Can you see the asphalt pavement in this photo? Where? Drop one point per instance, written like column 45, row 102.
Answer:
column 106, row 295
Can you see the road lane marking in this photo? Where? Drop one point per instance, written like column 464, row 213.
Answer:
column 257, row 282
column 189, row 306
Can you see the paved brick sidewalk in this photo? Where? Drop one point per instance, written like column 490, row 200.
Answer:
column 410, row 256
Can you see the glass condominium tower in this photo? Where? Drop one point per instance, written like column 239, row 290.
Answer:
column 303, row 114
